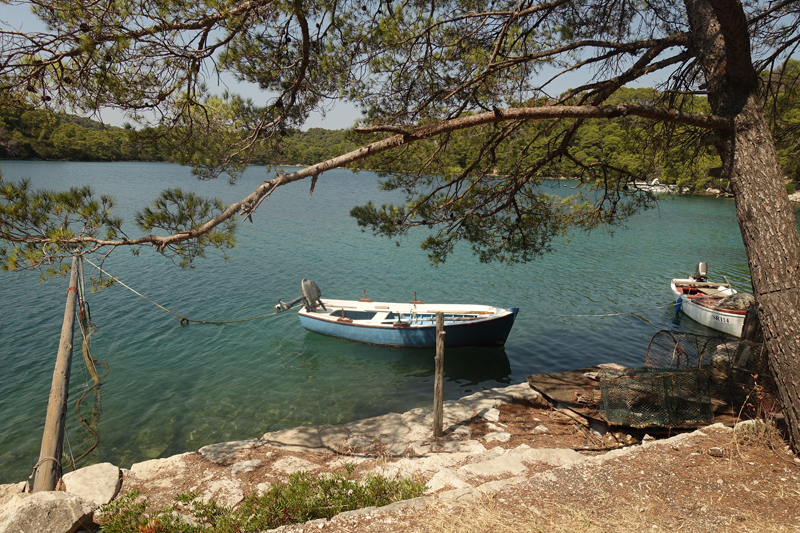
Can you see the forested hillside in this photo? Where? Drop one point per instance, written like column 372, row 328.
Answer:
column 627, row 142
column 38, row 134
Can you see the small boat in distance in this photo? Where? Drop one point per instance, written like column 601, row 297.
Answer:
column 716, row 305
column 410, row 324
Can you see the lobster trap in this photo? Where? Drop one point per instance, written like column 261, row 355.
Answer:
column 642, row 397
column 682, row 373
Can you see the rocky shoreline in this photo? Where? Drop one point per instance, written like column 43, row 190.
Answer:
column 494, row 440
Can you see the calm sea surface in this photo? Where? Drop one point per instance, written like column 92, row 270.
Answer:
column 176, row 388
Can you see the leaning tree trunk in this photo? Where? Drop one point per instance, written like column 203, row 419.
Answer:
column 765, row 216
column 770, row 237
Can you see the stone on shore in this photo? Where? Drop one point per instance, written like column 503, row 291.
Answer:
column 289, row 465
column 160, row 472
column 446, row 479
column 515, row 461
column 96, row 484
column 227, row 452
column 226, row 471
column 299, row 439
column 245, row 466
column 51, row 512
column 11, row 491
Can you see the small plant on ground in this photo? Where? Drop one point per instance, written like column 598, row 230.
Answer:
column 303, row 497
column 127, row 514
column 763, row 430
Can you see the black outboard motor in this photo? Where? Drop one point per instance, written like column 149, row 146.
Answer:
column 700, row 272
column 310, row 297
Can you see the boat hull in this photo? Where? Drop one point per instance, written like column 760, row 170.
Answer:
column 484, row 331
column 730, row 322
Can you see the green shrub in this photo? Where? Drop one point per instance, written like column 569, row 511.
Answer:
column 303, row 497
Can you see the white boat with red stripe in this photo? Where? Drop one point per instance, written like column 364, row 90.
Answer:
column 716, row 305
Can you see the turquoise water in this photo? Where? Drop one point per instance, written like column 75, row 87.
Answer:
column 175, row 388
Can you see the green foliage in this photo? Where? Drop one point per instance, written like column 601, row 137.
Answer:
column 41, row 228
column 41, row 134
column 783, row 111
column 760, row 433
column 302, row 498
column 406, row 65
column 176, row 211
column 38, row 229
column 313, row 146
column 483, row 186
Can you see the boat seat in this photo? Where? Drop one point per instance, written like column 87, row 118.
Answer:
column 711, row 291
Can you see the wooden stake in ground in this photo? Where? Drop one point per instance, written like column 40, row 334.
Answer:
column 438, row 382
column 48, row 469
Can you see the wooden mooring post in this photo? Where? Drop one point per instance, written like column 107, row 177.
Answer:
column 438, row 382
column 48, row 469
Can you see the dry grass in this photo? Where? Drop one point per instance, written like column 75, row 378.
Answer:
column 714, row 481
column 497, row 515
column 677, row 487
column 492, row 514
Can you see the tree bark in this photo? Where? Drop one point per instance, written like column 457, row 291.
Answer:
column 763, row 210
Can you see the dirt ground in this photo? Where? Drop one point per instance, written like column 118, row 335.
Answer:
column 703, row 481
column 706, row 481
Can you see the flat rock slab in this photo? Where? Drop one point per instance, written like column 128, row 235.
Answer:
column 245, row 466
column 223, row 491
column 227, row 452
column 446, row 479
column 491, row 398
column 51, row 512
column 96, row 484
column 160, row 472
column 295, row 439
column 500, row 436
column 492, row 415
column 416, row 466
column 289, row 465
column 515, row 461
column 388, row 428
column 548, row 456
column 11, row 491
column 498, row 485
column 334, row 437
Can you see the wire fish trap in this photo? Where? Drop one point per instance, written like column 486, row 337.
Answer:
column 670, row 349
column 642, row 397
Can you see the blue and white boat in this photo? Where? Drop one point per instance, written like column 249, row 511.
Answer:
column 410, row 324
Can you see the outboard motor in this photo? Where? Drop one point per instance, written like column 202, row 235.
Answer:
column 310, row 297
column 700, row 272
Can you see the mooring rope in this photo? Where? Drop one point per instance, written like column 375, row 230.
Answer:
column 36, row 467
column 84, row 321
column 601, row 315
column 184, row 320
column 83, row 421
